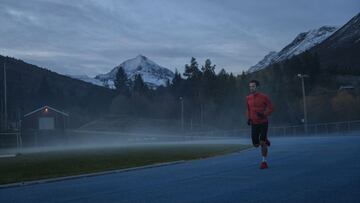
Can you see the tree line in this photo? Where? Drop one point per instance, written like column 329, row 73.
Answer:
column 218, row 100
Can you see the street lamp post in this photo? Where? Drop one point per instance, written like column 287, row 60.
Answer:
column 5, row 100
column 182, row 113
column 302, row 76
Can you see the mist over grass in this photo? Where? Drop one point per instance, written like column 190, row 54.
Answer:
column 91, row 139
column 40, row 163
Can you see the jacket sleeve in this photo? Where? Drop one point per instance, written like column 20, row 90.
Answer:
column 269, row 107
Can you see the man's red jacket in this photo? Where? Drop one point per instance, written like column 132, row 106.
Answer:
column 258, row 103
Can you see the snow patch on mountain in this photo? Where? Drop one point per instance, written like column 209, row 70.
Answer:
column 304, row 41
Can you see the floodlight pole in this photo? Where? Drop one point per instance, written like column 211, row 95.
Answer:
column 302, row 76
column 5, row 100
column 182, row 113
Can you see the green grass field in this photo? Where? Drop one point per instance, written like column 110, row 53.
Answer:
column 40, row 165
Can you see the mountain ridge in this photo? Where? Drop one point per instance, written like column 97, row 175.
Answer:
column 302, row 42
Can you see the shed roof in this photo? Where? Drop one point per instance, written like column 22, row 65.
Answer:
column 44, row 107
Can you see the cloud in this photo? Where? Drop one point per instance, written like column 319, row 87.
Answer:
column 92, row 36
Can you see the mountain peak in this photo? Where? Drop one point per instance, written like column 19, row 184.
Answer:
column 153, row 74
column 141, row 57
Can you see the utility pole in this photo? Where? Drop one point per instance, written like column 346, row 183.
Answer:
column 1, row 112
column 5, row 100
column 302, row 76
column 182, row 113
column 201, row 115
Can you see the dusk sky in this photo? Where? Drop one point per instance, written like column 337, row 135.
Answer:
column 93, row 36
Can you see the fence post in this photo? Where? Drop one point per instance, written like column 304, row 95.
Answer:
column 284, row 131
column 327, row 129
column 17, row 142
column 36, row 139
column 21, row 144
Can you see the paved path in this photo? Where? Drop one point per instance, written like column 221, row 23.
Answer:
column 318, row 169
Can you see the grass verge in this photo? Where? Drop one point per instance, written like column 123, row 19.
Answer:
column 41, row 165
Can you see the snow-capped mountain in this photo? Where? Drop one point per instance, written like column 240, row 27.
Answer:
column 152, row 74
column 87, row 79
column 304, row 41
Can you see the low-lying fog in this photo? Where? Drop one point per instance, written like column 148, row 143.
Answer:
column 103, row 140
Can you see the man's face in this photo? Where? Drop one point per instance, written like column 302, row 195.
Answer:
column 252, row 87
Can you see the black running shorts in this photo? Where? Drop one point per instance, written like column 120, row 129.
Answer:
column 259, row 132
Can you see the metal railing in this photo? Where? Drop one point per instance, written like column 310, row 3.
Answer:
column 14, row 140
column 331, row 128
column 10, row 140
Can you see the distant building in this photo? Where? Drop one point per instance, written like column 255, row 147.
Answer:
column 43, row 125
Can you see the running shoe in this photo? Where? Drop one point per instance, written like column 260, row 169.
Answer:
column 264, row 165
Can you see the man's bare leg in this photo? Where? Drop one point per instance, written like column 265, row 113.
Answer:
column 264, row 152
column 264, row 149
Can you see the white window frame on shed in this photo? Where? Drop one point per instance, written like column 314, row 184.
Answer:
column 46, row 123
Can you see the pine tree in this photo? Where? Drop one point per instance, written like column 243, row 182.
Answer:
column 208, row 81
column 221, row 86
column 192, row 71
column 121, row 81
column 243, row 75
column 223, row 74
column 176, row 81
column 208, row 69
column 139, row 85
column 177, row 84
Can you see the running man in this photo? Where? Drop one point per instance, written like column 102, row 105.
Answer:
column 259, row 107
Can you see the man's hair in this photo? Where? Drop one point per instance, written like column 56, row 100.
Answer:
column 257, row 83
